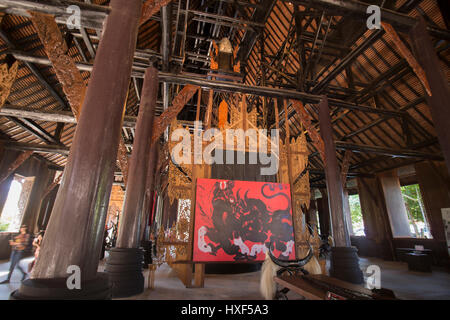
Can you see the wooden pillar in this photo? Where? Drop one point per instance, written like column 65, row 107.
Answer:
column 149, row 188
column 333, row 178
column 75, row 231
column 347, row 213
column 434, row 188
column 130, row 224
column 124, row 265
column 439, row 101
column 344, row 261
column 312, row 212
column 324, row 214
column 43, row 178
column 395, row 204
column 378, row 240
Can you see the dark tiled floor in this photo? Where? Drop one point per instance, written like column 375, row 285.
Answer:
column 394, row 276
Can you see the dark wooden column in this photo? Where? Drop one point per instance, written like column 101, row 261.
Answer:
column 130, row 224
column 323, row 211
column 435, row 190
column 344, row 262
column 333, row 178
column 439, row 101
column 43, row 177
column 150, row 187
column 124, row 265
column 75, row 231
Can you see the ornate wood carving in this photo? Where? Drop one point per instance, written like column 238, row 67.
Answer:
column 171, row 113
column 67, row 72
column 53, row 185
column 390, row 31
column 7, row 77
column 306, row 121
column 345, row 165
column 180, row 175
column 65, row 68
column 16, row 164
column 150, row 7
column 122, row 160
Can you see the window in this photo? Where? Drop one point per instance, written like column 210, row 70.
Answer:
column 416, row 211
column 16, row 203
column 356, row 215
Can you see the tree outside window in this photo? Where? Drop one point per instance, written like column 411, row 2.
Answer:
column 416, row 211
column 356, row 215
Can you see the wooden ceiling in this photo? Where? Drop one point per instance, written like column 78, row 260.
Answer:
column 294, row 45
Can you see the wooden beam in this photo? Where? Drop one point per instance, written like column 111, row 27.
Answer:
column 400, row 153
column 40, row 148
column 260, row 15
column 51, row 116
column 426, row 55
column 92, row 16
column 67, row 72
column 208, row 113
column 231, row 87
column 307, row 123
column 171, row 113
column 358, row 10
column 35, row 129
column 21, row 158
column 52, row 185
column 420, row 73
column 151, row 7
column 35, row 71
column 345, row 166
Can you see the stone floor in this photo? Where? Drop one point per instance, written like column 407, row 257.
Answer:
column 394, row 276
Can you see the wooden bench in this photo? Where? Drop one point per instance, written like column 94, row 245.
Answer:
column 307, row 287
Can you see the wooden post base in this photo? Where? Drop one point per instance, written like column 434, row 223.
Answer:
column 57, row 289
column 151, row 276
column 199, row 275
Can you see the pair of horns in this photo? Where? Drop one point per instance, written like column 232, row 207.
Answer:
column 292, row 263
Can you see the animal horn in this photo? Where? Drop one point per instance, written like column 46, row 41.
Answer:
column 292, row 263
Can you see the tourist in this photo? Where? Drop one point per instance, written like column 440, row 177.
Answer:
column 19, row 246
column 37, row 242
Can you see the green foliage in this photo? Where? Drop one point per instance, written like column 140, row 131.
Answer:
column 411, row 196
column 4, row 227
column 355, row 209
column 356, row 214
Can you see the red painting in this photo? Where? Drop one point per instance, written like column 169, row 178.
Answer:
column 238, row 221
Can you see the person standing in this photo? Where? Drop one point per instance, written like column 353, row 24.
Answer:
column 19, row 245
column 37, row 246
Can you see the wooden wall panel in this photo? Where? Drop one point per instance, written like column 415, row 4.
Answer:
column 395, row 204
column 433, row 182
column 378, row 239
